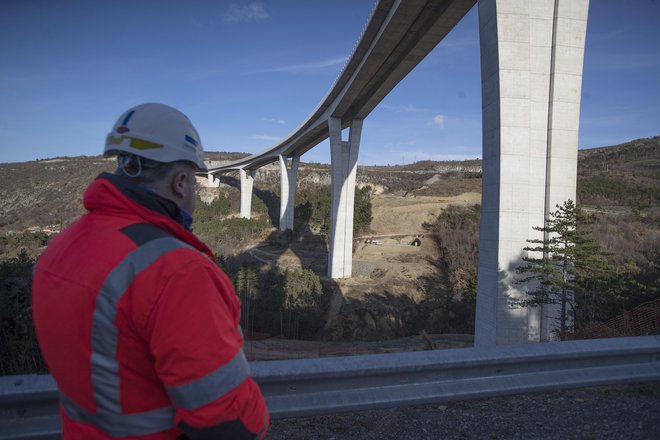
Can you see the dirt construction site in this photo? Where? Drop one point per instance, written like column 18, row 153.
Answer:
column 388, row 265
column 393, row 261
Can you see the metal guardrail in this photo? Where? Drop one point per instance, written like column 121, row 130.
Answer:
column 295, row 388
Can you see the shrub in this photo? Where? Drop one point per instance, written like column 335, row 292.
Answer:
column 218, row 208
column 19, row 350
column 612, row 191
column 226, row 235
column 290, row 304
column 304, row 304
column 28, row 241
column 314, row 206
column 453, row 289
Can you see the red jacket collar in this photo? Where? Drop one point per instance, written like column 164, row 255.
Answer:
column 114, row 194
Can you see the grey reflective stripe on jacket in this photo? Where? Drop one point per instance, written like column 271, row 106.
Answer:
column 104, row 364
column 210, row 387
column 122, row 425
column 263, row 430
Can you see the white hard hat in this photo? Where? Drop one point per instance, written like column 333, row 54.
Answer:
column 157, row 132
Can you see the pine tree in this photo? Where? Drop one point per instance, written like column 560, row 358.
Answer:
column 304, row 301
column 362, row 215
column 568, row 268
column 247, row 284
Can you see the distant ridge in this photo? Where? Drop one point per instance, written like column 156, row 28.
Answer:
column 49, row 191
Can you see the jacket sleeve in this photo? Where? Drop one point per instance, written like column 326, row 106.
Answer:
column 197, row 346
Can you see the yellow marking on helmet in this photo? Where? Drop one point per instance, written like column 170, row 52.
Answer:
column 138, row 144
column 144, row 145
column 112, row 140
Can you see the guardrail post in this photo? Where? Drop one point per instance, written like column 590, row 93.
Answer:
column 531, row 76
column 344, row 156
column 289, row 174
column 247, row 182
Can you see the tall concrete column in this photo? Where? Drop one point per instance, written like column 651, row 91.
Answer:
column 289, row 174
column 343, row 156
column 247, row 183
column 531, row 70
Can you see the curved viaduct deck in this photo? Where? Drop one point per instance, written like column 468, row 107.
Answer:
column 398, row 35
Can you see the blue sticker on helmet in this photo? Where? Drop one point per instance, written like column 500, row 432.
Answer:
column 191, row 140
column 128, row 116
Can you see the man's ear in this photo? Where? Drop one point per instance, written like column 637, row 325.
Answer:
column 178, row 184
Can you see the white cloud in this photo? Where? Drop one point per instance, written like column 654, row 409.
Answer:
column 311, row 66
column 251, row 12
column 406, row 108
column 439, row 120
column 263, row 137
column 196, row 23
column 277, row 121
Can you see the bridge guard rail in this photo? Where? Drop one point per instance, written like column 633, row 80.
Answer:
column 294, row 388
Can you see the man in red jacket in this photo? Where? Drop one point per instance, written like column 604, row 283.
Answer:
column 138, row 326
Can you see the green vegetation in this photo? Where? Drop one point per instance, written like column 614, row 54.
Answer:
column 290, row 304
column 293, row 303
column 19, row 351
column 26, row 241
column 312, row 213
column 304, row 304
column 453, row 288
column 223, row 234
column 313, row 209
column 605, row 264
column 205, row 212
column 567, row 267
column 362, row 216
column 603, row 190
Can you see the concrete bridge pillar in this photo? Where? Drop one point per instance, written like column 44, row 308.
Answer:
column 343, row 156
column 247, row 183
column 289, row 174
column 212, row 181
column 531, row 71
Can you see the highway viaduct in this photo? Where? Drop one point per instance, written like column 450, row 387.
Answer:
column 532, row 54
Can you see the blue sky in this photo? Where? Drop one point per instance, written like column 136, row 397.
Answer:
column 248, row 73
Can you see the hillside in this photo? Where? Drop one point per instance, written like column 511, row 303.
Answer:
column 49, row 192
column 635, row 159
column 622, row 175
